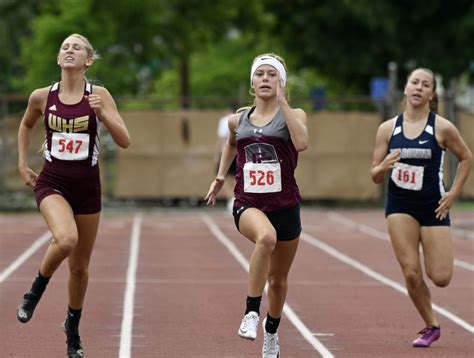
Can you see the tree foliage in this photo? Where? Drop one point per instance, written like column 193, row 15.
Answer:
column 352, row 41
column 136, row 42
column 15, row 14
column 188, row 26
column 221, row 69
column 118, row 35
column 204, row 47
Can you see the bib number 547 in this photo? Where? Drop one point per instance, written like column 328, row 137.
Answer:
column 71, row 146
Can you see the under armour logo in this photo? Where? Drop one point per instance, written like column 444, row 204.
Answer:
column 258, row 130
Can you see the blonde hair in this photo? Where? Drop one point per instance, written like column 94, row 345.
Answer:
column 91, row 52
column 279, row 59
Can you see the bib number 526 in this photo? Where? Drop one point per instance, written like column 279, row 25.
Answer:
column 262, row 177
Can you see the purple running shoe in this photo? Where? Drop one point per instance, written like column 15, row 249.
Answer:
column 428, row 335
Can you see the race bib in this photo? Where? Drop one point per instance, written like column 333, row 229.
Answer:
column 262, row 177
column 70, row 146
column 408, row 176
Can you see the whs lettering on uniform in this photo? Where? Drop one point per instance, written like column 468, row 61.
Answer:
column 72, row 125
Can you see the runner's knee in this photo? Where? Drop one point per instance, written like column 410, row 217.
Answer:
column 441, row 279
column 277, row 283
column 267, row 241
column 65, row 242
column 79, row 272
column 413, row 277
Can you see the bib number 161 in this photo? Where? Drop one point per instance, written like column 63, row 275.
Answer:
column 408, row 177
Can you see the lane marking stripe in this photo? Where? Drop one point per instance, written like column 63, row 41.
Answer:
column 375, row 275
column 127, row 317
column 20, row 260
column 366, row 229
column 292, row 316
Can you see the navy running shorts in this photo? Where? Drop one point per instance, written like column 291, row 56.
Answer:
column 424, row 213
column 287, row 222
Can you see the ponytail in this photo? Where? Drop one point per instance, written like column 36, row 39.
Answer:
column 434, row 103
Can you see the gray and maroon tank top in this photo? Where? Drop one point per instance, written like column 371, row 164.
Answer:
column 72, row 133
column 266, row 163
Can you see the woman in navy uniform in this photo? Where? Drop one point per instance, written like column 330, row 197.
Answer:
column 267, row 138
column 411, row 148
column 68, row 191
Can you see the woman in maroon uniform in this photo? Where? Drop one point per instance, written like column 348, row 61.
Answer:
column 67, row 190
column 267, row 139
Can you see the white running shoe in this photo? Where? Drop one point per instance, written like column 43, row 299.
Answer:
column 271, row 345
column 248, row 326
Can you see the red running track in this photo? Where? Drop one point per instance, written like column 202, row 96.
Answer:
column 172, row 283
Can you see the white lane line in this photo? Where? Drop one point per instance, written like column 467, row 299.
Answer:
column 375, row 275
column 127, row 317
column 464, row 265
column 382, row 235
column 463, row 233
column 323, row 334
column 25, row 256
column 294, row 319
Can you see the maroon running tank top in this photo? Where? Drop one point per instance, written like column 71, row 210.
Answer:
column 72, row 134
column 266, row 163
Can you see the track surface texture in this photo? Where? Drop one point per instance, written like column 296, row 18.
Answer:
column 172, row 283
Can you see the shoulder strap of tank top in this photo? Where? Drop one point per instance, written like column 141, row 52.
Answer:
column 430, row 123
column 397, row 125
column 399, row 120
column 88, row 88
column 431, row 119
column 280, row 116
column 52, row 94
column 54, row 87
column 245, row 114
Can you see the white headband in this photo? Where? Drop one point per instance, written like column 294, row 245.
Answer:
column 268, row 60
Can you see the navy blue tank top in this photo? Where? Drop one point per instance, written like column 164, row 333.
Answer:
column 419, row 176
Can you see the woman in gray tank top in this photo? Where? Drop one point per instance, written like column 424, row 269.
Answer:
column 266, row 139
